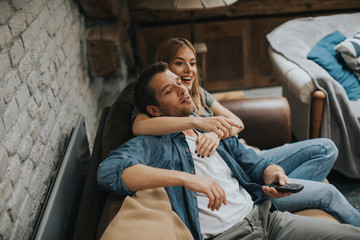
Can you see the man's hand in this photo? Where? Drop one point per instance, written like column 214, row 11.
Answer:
column 207, row 143
column 208, row 186
column 275, row 174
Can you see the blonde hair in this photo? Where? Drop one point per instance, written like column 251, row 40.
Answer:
column 166, row 53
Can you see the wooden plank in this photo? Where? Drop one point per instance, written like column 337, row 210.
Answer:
column 213, row 3
column 100, row 10
column 246, row 8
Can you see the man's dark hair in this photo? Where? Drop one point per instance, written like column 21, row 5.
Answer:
column 145, row 95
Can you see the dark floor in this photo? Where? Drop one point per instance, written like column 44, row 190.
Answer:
column 347, row 186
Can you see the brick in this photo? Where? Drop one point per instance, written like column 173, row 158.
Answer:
column 32, row 108
column 2, row 132
column 10, row 114
column 37, row 152
column 5, row 12
column 25, row 147
column 18, row 4
column 25, row 66
column 37, row 97
column 44, row 110
column 16, row 51
column 30, row 34
column 24, row 122
column 5, row 225
column 55, row 137
column 5, row 35
column 27, row 172
column 55, row 87
column 17, row 24
column 14, row 203
column 51, row 98
column 56, row 20
column 33, row 9
column 44, row 80
column 22, row 96
column 14, row 170
column 17, row 232
column 32, row 81
column 26, row 213
column 13, row 138
column 53, row 5
column 4, row 157
column 4, row 63
column 12, row 82
column 46, row 129
column 36, row 181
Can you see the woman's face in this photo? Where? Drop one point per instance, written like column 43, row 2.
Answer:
column 184, row 65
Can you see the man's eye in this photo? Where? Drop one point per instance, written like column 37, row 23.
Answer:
column 168, row 91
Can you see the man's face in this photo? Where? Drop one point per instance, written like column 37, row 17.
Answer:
column 172, row 96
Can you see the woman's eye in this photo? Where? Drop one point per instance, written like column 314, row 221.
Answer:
column 178, row 63
column 193, row 64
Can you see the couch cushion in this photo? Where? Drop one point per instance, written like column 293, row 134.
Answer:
column 349, row 50
column 118, row 125
column 323, row 53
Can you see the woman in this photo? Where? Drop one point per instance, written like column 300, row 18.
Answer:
column 306, row 160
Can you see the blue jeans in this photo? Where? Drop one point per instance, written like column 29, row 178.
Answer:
column 312, row 160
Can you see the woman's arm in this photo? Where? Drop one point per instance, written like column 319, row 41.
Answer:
column 156, row 126
column 220, row 110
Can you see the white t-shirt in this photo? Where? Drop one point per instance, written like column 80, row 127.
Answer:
column 239, row 202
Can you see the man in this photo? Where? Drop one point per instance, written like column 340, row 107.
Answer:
column 221, row 196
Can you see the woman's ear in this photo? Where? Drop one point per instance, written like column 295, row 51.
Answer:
column 153, row 110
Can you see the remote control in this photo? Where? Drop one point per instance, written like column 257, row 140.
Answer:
column 290, row 187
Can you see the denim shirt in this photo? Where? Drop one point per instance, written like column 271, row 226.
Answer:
column 171, row 151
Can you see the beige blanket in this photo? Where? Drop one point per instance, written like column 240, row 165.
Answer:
column 147, row 215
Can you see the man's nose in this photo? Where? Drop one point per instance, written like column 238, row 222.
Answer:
column 180, row 90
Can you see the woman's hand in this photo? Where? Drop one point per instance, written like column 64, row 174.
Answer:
column 220, row 125
column 207, row 143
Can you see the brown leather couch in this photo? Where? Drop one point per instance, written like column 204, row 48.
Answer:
column 267, row 125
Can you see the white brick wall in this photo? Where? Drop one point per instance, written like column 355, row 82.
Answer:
column 44, row 87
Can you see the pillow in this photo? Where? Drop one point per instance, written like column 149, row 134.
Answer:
column 323, row 53
column 147, row 215
column 349, row 49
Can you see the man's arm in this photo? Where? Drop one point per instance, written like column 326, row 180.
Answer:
column 139, row 177
column 275, row 174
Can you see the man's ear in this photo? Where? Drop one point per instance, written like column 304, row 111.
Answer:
column 153, row 110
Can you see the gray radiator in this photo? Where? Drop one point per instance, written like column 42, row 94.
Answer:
column 59, row 212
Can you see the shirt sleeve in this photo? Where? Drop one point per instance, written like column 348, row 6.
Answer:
column 144, row 150
column 249, row 160
column 209, row 99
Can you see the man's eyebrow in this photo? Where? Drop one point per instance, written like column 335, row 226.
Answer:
column 165, row 87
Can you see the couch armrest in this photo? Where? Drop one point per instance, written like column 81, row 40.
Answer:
column 267, row 120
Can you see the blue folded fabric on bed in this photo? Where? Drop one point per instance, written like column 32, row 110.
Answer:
column 323, row 53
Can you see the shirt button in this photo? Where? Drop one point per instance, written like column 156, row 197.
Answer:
column 195, row 195
column 198, row 219
column 182, row 136
column 187, row 150
column 192, row 171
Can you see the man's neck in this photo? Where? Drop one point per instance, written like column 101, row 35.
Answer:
column 190, row 132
